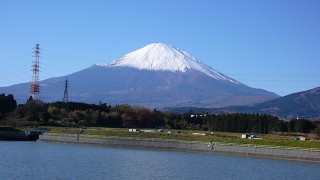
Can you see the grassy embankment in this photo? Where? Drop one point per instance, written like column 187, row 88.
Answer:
column 187, row 136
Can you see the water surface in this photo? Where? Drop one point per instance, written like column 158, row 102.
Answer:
column 40, row 160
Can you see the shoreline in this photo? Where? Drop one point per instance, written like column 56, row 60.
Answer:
column 280, row 154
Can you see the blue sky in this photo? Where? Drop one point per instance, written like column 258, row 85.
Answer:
column 268, row 44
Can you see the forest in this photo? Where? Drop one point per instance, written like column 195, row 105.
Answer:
column 77, row 114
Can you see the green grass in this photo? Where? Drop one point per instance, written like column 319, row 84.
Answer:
column 187, row 136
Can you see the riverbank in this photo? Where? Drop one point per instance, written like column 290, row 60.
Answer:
column 243, row 150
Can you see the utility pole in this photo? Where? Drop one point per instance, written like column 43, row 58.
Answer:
column 65, row 96
column 35, row 87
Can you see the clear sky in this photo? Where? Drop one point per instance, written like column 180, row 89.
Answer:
column 268, row 44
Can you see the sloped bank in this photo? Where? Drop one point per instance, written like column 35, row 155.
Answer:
column 257, row 151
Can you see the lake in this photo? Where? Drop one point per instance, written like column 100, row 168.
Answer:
column 41, row 160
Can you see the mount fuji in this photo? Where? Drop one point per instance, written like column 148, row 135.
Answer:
column 155, row 76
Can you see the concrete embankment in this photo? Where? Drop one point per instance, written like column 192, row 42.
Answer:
column 258, row 151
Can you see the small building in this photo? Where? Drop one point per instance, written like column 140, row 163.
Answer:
column 244, row 136
column 133, row 130
column 302, row 138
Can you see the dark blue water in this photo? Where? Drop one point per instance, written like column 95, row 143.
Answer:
column 39, row 160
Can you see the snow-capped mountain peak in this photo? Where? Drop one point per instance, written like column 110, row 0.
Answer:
column 162, row 57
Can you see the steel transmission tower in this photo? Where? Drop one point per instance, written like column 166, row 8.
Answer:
column 35, row 87
column 65, row 96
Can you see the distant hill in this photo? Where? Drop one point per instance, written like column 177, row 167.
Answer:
column 304, row 104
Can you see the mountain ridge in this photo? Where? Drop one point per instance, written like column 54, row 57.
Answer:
column 304, row 104
column 121, row 83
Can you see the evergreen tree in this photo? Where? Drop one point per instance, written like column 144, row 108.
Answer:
column 7, row 103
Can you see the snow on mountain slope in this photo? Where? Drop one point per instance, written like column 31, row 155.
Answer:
column 162, row 57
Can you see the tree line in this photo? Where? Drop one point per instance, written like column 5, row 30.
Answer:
column 77, row 114
column 262, row 124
